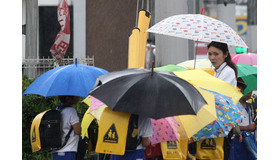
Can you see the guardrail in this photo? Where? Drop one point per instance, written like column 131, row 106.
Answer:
column 33, row 68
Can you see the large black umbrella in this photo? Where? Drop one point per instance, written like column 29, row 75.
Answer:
column 154, row 94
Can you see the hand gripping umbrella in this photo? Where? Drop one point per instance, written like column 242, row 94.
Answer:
column 154, row 94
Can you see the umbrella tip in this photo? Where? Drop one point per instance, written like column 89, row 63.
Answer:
column 76, row 61
column 201, row 12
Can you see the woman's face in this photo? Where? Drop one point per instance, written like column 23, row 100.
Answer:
column 216, row 56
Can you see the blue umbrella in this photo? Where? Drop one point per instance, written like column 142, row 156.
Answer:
column 74, row 80
column 228, row 116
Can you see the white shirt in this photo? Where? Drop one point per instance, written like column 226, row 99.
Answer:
column 246, row 119
column 145, row 129
column 226, row 73
column 69, row 118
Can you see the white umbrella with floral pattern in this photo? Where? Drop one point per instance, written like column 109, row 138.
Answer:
column 198, row 27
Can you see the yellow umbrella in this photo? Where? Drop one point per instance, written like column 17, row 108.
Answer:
column 87, row 119
column 200, row 78
column 193, row 123
column 90, row 115
column 200, row 63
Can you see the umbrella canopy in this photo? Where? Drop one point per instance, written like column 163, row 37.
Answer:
column 204, row 80
column 154, row 94
column 204, row 64
column 164, row 129
column 86, row 121
column 245, row 58
column 171, row 68
column 248, row 74
column 199, row 63
column 193, row 123
column 228, row 116
column 246, row 70
column 74, row 80
column 198, row 27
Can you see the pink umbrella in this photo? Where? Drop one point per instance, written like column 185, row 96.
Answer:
column 95, row 103
column 245, row 58
column 165, row 129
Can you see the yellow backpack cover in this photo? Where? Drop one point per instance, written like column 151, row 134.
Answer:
column 175, row 149
column 35, row 133
column 210, row 149
column 112, row 132
column 170, row 150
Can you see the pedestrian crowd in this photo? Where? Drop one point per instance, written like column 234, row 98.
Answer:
column 240, row 144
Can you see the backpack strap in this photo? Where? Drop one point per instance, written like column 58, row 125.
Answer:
column 66, row 138
column 60, row 108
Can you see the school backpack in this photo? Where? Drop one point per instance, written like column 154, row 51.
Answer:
column 46, row 131
column 132, row 140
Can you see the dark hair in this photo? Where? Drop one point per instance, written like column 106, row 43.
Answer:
column 224, row 48
column 63, row 98
column 242, row 85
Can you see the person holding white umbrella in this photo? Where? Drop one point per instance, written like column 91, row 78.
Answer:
column 225, row 70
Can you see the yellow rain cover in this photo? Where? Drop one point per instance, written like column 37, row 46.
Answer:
column 200, row 78
column 144, row 18
column 170, row 150
column 184, row 144
column 207, row 114
column 35, row 133
column 112, row 132
column 133, row 48
column 210, row 149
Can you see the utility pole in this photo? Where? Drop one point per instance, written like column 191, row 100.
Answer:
column 32, row 13
column 226, row 14
column 79, row 29
column 252, row 25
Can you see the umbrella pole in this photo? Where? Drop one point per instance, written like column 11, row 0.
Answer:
column 195, row 54
column 153, row 65
column 201, row 12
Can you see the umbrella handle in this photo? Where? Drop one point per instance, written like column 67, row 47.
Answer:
column 153, row 65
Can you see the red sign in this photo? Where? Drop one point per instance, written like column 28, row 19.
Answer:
column 62, row 39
